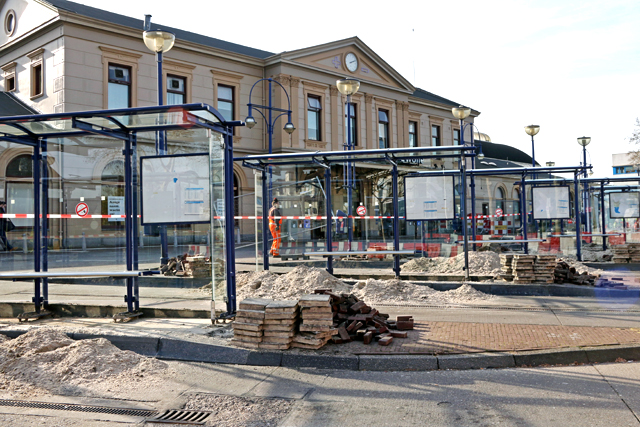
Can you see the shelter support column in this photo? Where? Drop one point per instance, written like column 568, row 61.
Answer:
column 603, row 216
column 396, row 228
column 524, row 218
column 37, row 192
column 576, row 203
column 45, row 222
column 327, row 186
column 265, row 221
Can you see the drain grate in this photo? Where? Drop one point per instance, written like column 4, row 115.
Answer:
column 78, row 408
column 181, row 417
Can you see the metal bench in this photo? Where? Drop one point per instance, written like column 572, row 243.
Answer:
column 347, row 253
column 461, row 242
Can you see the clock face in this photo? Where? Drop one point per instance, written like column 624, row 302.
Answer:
column 351, row 61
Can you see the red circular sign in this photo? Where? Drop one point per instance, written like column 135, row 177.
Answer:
column 498, row 212
column 82, row 209
column 361, row 210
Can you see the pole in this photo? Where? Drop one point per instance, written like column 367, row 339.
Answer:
column 128, row 221
column 473, row 193
column 524, row 217
column 349, row 173
column 37, row 299
column 533, row 153
column 327, row 198
column 45, row 223
column 602, row 214
column 229, row 228
column 270, row 132
column 161, row 149
column 396, row 225
column 135, row 238
column 463, row 204
column 576, row 197
column 265, row 223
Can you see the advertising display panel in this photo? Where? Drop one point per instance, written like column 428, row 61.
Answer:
column 551, row 202
column 429, row 198
column 175, row 189
column 624, row 205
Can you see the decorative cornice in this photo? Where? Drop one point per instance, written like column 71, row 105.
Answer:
column 283, row 79
column 179, row 66
column 133, row 56
column 368, row 98
column 315, row 86
column 224, row 73
column 295, row 82
column 9, row 67
column 334, row 91
column 35, row 54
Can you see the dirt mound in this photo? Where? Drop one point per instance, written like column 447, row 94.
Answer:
column 45, row 360
column 299, row 281
column 485, row 263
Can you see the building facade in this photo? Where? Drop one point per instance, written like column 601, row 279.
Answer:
column 58, row 56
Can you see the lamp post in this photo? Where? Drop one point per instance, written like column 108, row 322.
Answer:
column 159, row 42
column 250, row 122
column 584, row 141
column 532, row 130
column 349, row 87
column 462, row 113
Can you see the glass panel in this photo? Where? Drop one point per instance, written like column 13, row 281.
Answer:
column 382, row 116
column 226, row 109
column 383, row 131
column 313, row 122
column 217, row 230
column 175, row 98
column 225, row 92
column 10, row 130
column 118, row 96
column 314, row 103
column 20, row 167
column 119, row 74
column 175, row 84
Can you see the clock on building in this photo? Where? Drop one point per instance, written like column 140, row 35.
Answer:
column 351, row 61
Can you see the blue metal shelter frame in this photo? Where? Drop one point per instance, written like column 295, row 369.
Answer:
column 325, row 159
column 121, row 124
column 524, row 173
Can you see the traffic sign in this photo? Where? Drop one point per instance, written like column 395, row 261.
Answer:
column 498, row 212
column 82, row 209
column 361, row 210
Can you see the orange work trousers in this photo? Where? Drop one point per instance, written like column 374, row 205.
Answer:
column 275, row 246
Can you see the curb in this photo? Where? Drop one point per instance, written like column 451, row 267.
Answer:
column 171, row 349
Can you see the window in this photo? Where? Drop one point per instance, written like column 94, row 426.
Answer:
column 353, row 122
column 119, row 87
column 36, row 80
column 500, row 198
column 413, row 134
column 314, row 109
column 9, row 74
column 456, row 137
column 19, row 188
column 383, row 129
column 10, row 23
column 225, row 102
column 176, row 90
column 435, row 136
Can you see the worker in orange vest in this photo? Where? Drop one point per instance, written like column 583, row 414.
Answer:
column 274, row 226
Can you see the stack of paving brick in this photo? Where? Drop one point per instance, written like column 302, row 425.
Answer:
column 522, row 268
column 197, row 266
column 620, row 254
column 280, row 322
column 634, row 252
column 544, row 268
column 316, row 326
column 249, row 323
column 506, row 263
column 355, row 320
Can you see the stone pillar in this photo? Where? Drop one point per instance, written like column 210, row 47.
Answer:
column 281, row 139
column 369, row 138
column 334, row 140
column 297, row 137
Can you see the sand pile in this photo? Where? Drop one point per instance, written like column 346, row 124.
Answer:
column 484, row 263
column 304, row 280
column 299, row 281
column 47, row 360
column 398, row 291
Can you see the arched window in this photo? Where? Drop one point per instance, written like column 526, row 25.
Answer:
column 20, row 167
column 113, row 172
column 500, row 198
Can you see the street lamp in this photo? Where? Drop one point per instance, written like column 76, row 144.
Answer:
column 159, row 42
column 461, row 112
column 551, row 164
column 349, row 87
column 250, row 122
column 532, row 130
column 584, row 141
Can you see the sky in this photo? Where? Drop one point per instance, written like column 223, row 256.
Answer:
column 571, row 67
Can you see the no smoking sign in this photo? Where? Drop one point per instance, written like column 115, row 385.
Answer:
column 82, row 209
column 361, row 210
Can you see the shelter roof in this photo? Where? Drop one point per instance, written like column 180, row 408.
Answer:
column 10, row 105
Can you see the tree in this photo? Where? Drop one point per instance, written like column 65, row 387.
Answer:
column 634, row 155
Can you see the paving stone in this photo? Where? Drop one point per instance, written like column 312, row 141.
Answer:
column 476, row 361
column 398, row 363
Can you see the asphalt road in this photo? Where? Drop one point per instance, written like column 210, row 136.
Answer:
column 590, row 395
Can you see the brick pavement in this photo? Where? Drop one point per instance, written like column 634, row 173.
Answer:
column 460, row 337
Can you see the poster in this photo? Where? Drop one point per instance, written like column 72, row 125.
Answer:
column 624, row 205
column 115, row 206
column 175, row 189
column 551, row 202
column 429, row 198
